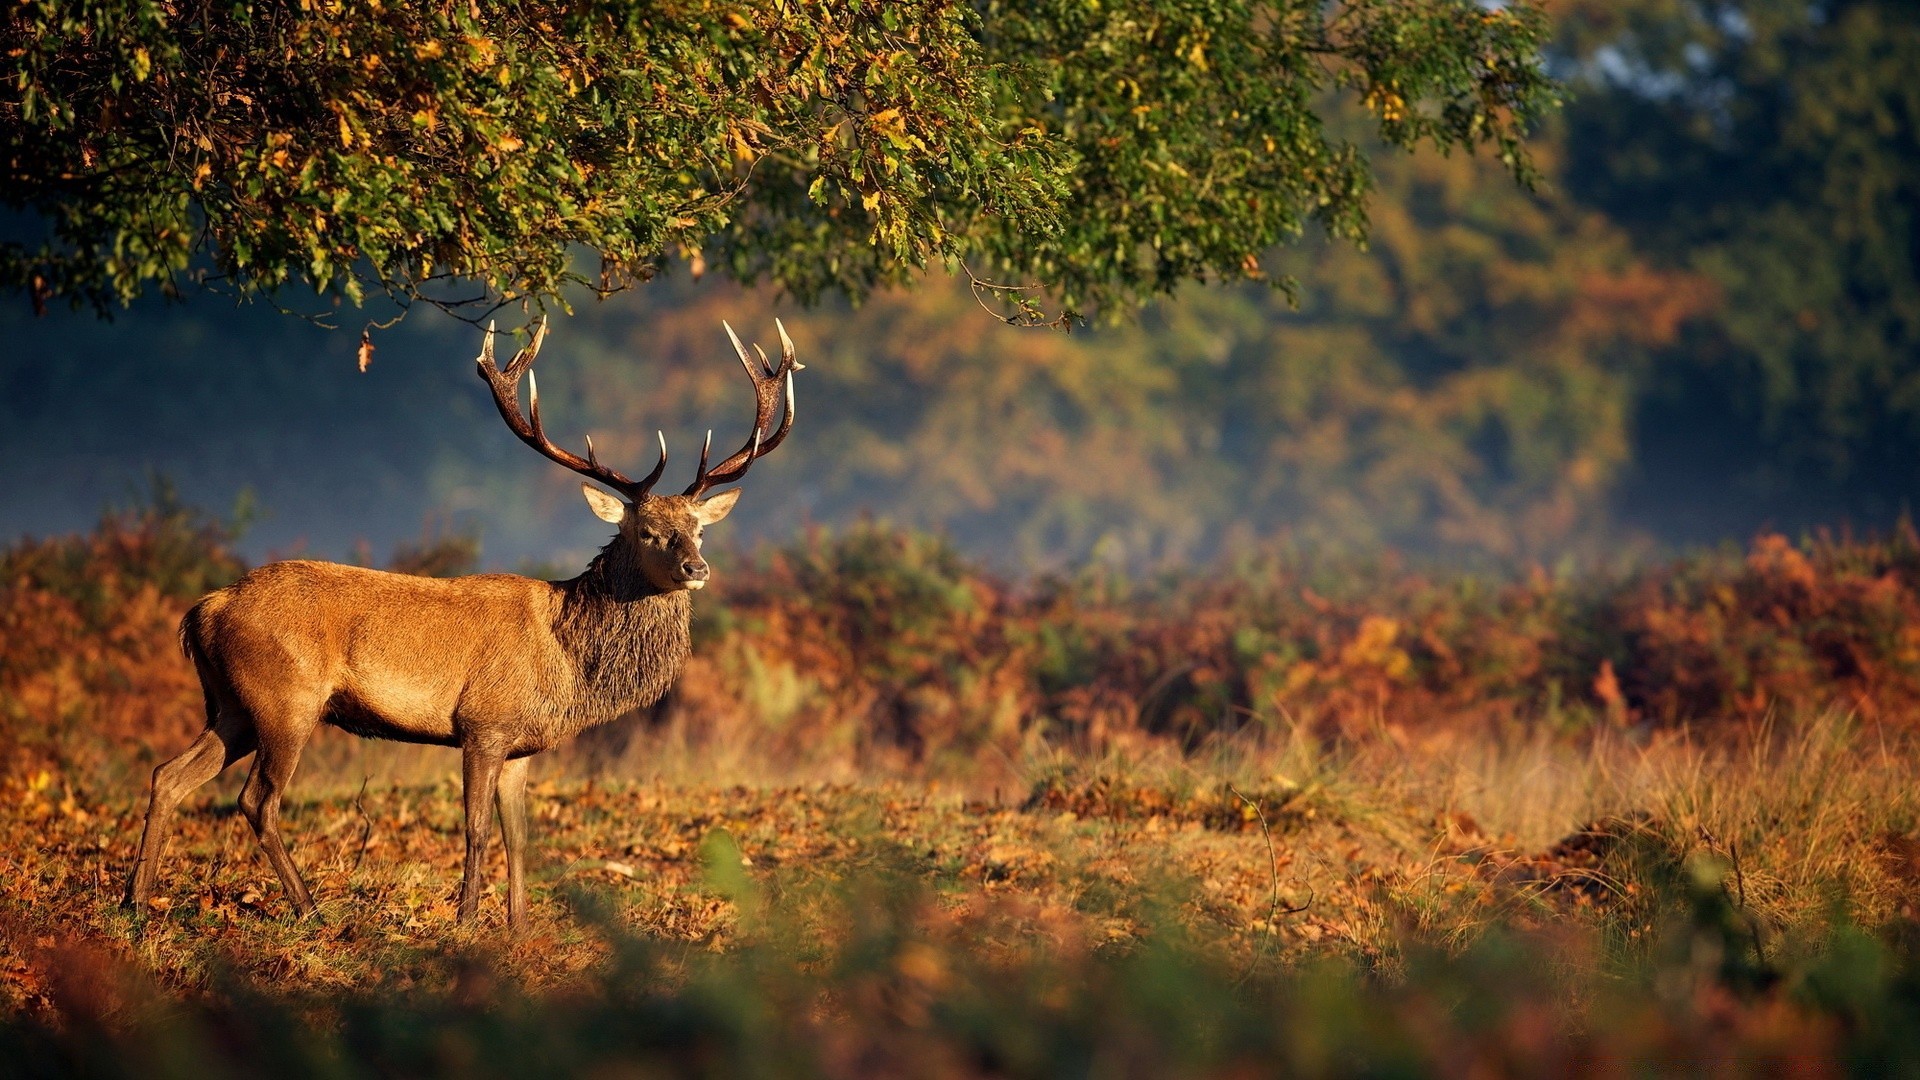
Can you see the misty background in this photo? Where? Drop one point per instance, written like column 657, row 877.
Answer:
column 1705, row 325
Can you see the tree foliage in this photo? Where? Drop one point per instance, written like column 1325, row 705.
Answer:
column 1106, row 151
column 1701, row 325
column 1774, row 147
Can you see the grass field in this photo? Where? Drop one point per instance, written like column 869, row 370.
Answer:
column 1528, row 881
column 1518, row 890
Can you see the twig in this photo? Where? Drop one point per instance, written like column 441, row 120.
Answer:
column 1740, row 890
column 1030, row 314
column 1275, row 910
column 366, row 829
column 1740, row 884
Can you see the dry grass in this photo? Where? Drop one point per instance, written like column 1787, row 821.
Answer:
column 1368, row 840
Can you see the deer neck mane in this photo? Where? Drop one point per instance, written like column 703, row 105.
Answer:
column 627, row 639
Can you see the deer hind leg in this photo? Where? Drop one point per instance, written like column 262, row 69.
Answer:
column 480, row 773
column 513, row 833
column 227, row 739
column 273, row 766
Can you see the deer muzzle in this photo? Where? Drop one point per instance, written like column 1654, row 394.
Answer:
column 694, row 573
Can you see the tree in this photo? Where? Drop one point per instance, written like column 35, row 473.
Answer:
column 1772, row 146
column 1107, row 151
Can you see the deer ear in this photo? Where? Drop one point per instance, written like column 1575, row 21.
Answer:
column 605, row 507
column 712, row 510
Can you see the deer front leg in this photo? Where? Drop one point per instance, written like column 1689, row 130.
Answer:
column 480, row 774
column 513, row 831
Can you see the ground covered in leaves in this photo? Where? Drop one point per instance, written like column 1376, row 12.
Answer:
column 1256, row 873
column 1331, row 914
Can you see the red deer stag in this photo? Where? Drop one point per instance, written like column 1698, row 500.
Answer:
column 498, row 665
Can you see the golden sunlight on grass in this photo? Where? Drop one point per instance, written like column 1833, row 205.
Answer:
column 1268, row 854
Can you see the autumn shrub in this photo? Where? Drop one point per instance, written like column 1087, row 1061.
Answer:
column 882, row 645
column 929, row 658
column 1824, row 619
column 878, row 649
column 90, row 665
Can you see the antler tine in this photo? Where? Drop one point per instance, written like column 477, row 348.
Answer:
column 505, row 385
column 523, row 358
column 533, row 406
column 700, row 473
column 786, row 421
column 653, row 477
column 747, row 455
column 741, row 350
column 786, row 348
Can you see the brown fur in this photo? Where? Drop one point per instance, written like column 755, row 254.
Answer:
column 501, row 666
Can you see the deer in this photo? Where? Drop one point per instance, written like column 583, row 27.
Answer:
column 502, row 667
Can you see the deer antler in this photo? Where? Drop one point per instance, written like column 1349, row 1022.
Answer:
column 767, row 381
column 506, row 395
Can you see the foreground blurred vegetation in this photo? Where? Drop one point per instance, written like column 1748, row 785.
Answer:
column 902, row 989
column 1339, row 818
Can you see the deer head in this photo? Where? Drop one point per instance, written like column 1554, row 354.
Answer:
column 660, row 535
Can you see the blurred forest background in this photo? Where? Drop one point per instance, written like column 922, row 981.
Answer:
column 1704, row 324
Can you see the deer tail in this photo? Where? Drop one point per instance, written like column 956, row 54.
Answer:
column 190, row 630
